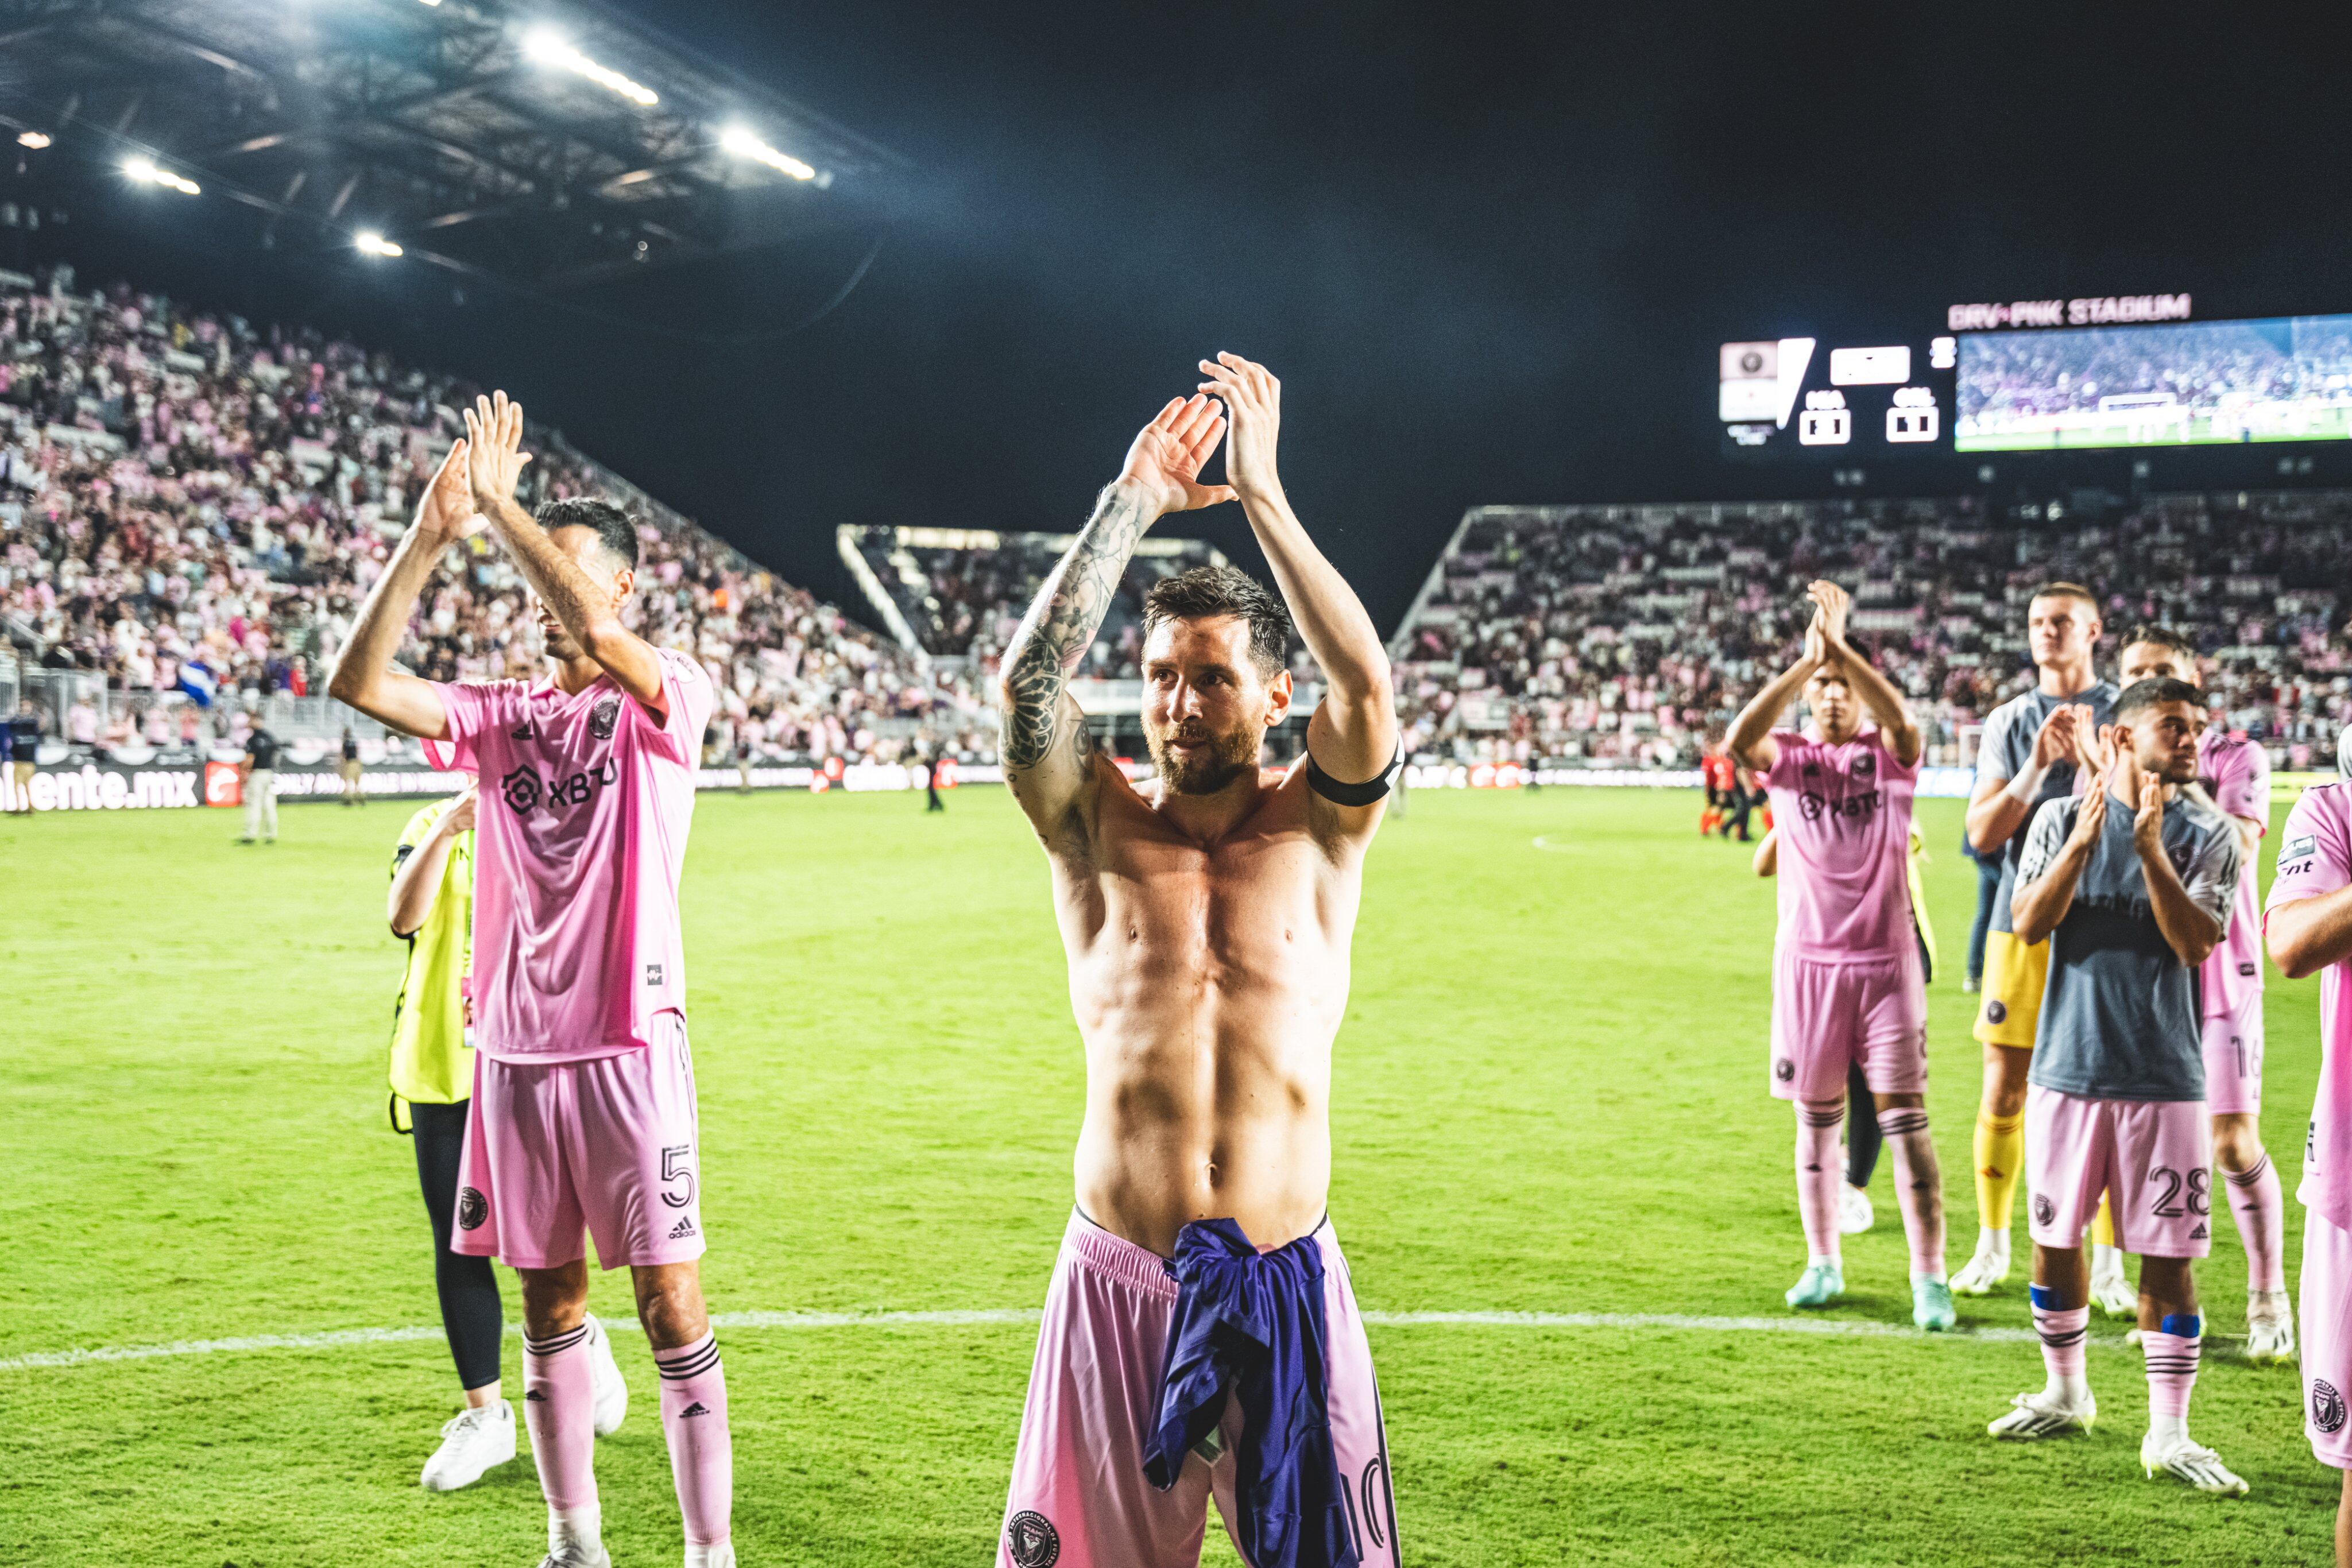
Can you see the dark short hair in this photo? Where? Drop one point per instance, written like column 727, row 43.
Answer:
column 2155, row 692
column 1210, row 591
column 615, row 529
column 2067, row 590
column 2161, row 637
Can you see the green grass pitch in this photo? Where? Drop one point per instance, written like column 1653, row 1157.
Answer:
column 1550, row 1095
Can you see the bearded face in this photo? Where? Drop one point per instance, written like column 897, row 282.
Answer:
column 1206, row 706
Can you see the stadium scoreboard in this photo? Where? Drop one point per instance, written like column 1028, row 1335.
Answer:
column 2042, row 375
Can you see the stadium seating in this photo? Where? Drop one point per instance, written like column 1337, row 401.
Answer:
column 193, row 505
column 1619, row 635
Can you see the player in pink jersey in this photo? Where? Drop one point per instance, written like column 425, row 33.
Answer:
column 583, row 1109
column 1846, row 981
column 2307, row 925
column 2235, row 777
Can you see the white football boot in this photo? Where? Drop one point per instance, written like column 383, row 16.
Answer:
column 2178, row 1454
column 2043, row 1414
column 2270, row 1329
column 2111, row 1292
column 1854, row 1213
column 1984, row 1273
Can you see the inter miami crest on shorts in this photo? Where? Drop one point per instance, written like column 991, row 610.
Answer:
column 472, row 1210
column 2326, row 1406
column 2044, row 1209
column 1030, row 1537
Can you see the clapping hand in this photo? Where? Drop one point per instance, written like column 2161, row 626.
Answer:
column 446, row 509
column 494, row 449
column 1166, row 454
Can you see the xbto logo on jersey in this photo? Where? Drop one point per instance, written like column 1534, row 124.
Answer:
column 2045, row 1211
column 472, row 1210
column 1030, row 1538
column 2326, row 1406
column 604, row 716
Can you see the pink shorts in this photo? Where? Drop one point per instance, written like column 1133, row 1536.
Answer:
column 1826, row 1017
column 2326, row 1308
column 1079, row 1497
column 2234, row 1060
column 608, row 1144
column 2154, row 1157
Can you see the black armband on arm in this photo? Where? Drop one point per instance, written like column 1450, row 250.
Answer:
column 1362, row 794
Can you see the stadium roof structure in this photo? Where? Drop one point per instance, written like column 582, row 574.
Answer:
column 554, row 146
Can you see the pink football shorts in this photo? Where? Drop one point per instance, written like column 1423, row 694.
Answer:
column 1826, row 1017
column 2155, row 1157
column 2234, row 1060
column 2326, row 1308
column 1079, row 1499
column 608, row 1144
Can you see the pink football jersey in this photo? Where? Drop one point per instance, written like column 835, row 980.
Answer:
column 1844, row 813
column 2315, row 858
column 585, row 803
column 2237, row 775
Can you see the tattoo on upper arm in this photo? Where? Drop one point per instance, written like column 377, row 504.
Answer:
column 1059, row 627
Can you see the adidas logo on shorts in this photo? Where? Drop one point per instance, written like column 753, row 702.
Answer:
column 2200, row 1233
column 682, row 1230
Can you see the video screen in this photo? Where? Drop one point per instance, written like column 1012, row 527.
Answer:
column 2177, row 384
column 1810, row 397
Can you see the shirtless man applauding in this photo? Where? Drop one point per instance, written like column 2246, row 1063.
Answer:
column 1200, row 1332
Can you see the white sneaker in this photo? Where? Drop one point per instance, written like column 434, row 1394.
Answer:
column 1985, row 1270
column 2042, row 1415
column 719, row 1556
column 2199, row 1466
column 472, row 1441
column 2111, row 1292
column 612, row 1390
column 2270, row 1329
column 575, row 1540
column 1854, row 1213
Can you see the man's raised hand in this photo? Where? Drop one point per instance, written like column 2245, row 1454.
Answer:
column 1831, row 603
column 446, row 510
column 494, row 449
column 1253, row 400
column 2147, row 813
column 2055, row 742
column 1165, row 459
column 2092, row 820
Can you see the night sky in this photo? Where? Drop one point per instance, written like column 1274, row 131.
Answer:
column 1489, row 249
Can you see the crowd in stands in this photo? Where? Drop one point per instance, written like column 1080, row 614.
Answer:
column 2249, row 373
column 1627, row 635
column 961, row 593
column 193, row 505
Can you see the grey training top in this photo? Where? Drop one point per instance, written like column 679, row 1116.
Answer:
column 2119, row 1016
column 2007, row 747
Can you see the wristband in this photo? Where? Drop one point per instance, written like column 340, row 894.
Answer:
column 2026, row 788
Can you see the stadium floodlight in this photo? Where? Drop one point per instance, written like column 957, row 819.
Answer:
column 371, row 243
column 550, row 48
column 36, row 139
column 735, row 139
column 145, row 170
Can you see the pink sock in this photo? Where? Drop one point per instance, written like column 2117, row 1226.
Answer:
column 2171, row 1368
column 2062, row 1332
column 701, row 1455
column 2262, row 1223
column 1819, row 1173
column 558, row 1407
column 1919, row 1186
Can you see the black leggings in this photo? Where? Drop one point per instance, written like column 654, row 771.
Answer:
column 471, row 1314
column 1861, row 1136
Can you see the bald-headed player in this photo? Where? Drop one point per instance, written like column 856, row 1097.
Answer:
column 2234, row 775
column 1208, row 920
column 2026, row 758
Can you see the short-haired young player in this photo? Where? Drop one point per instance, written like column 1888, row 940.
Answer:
column 2235, row 776
column 2308, row 929
column 2130, row 885
column 1846, row 981
column 582, row 1114
column 2026, row 759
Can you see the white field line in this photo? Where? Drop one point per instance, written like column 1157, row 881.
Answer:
column 1836, row 1328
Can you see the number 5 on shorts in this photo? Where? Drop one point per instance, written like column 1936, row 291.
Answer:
column 677, row 1165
